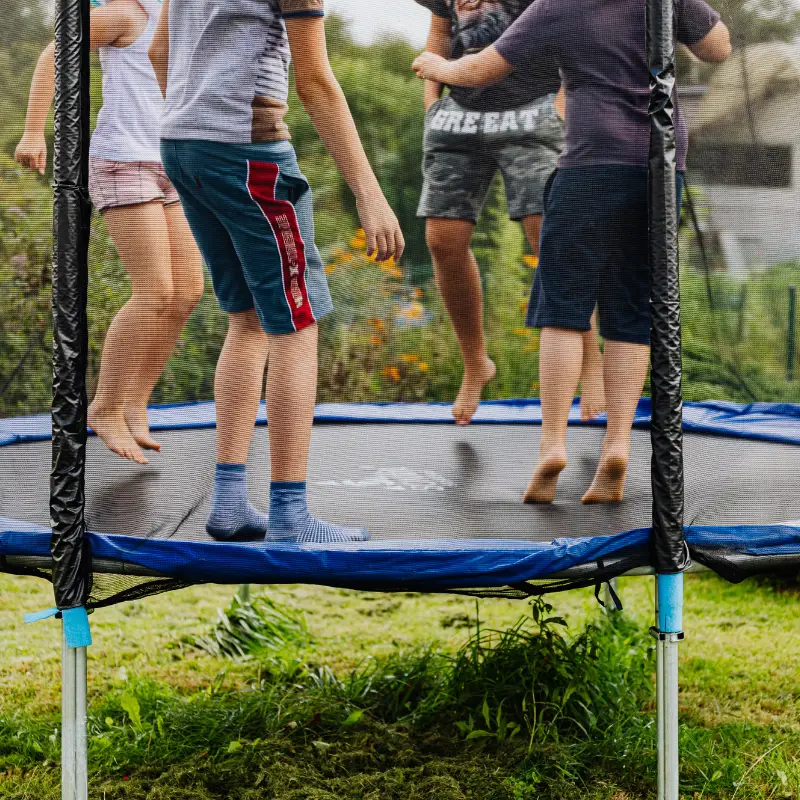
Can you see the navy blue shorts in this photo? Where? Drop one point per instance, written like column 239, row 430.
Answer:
column 250, row 210
column 594, row 253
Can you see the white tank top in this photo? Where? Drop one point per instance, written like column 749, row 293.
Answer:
column 128, row 123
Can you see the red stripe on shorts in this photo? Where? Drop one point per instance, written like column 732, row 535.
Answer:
column 262, row 178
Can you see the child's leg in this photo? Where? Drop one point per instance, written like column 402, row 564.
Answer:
column 625, row 369
column 144, row 320
column 291, row 394
column 238, row 386
column 187, row 282
column 459, row 282
column 593, row 400
column 560, row 361
column 593, row 397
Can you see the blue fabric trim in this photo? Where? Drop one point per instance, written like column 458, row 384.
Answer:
column 416, row 565
column 769, row 422
column 77, row 632
column 670, row 603
column 38, row 616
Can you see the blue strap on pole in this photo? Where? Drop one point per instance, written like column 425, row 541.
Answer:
column 76, row 624
column 670, row 603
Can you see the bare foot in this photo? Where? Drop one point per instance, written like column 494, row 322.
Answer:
column 136, row 418
column 469, row 396
column 542, row 488
column 593, row 395
column 608, row 485
column 111, row 427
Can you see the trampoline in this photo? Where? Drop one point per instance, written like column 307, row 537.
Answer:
column 712, row 485
column 443, row 503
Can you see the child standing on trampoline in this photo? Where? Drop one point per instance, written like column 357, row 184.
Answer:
column 142, row 212
column 594, row 248
column 224, row 68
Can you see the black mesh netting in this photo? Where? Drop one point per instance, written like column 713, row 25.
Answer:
column 390, row 339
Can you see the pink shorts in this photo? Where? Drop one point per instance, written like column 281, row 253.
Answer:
column 128, row 183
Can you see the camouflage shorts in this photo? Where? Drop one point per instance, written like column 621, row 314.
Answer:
column 465, row 149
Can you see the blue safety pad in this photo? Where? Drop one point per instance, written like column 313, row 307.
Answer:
column 771, row 422
column 435, row 565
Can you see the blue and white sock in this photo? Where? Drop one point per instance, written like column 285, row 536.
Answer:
column 232, row 515
column 290, row 520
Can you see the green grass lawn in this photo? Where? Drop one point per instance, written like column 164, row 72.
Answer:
column 377, row 700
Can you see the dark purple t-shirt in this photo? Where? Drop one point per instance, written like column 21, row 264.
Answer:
column 599, row 46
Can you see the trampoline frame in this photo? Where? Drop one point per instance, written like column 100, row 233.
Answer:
column 71, row 562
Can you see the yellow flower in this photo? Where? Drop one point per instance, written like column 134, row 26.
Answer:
column 531, row 261
column 523, row 332
column 523, row 306
column 330, row 268
column 409, row 358
column 344, row 258
column 391, row 269
column 417, row 293
column 423, row 367
column 359, row 241
column 531, row 347
column 535, row 386
column 413, row 311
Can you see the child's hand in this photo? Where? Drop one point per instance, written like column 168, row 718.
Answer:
column 31, row 152
column 384, row 237
column 431, row 67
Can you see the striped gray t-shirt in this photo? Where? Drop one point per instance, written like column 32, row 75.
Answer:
column 228, row 77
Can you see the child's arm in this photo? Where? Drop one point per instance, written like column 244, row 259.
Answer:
column 323, row 99
column 109, row 25
column 715, row 47
column 478, row 69
column 439, row 42
column 31, row 151
column 159, row 48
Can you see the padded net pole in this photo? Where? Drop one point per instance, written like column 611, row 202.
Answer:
column 670, row 550
column 671, row 553
column 71, row 221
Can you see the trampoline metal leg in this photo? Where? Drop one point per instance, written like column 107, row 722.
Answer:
column 660, row 716
column 668, row 635
column 74, row 767
column 671, row 757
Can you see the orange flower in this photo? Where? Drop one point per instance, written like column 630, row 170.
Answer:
column 344, row 258
column 423, row 367
column 409, row 358
column 531, row 261
column 376, row 323
column 375, row 340
column 391, row 372
column 417, row 293
column 330, row 268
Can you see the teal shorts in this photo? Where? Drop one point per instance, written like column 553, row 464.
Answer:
column 250, row 210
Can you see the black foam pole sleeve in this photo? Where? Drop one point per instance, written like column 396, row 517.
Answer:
column 670, row 552
column 71, row 223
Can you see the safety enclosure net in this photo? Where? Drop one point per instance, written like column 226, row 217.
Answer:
column 443, row 503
